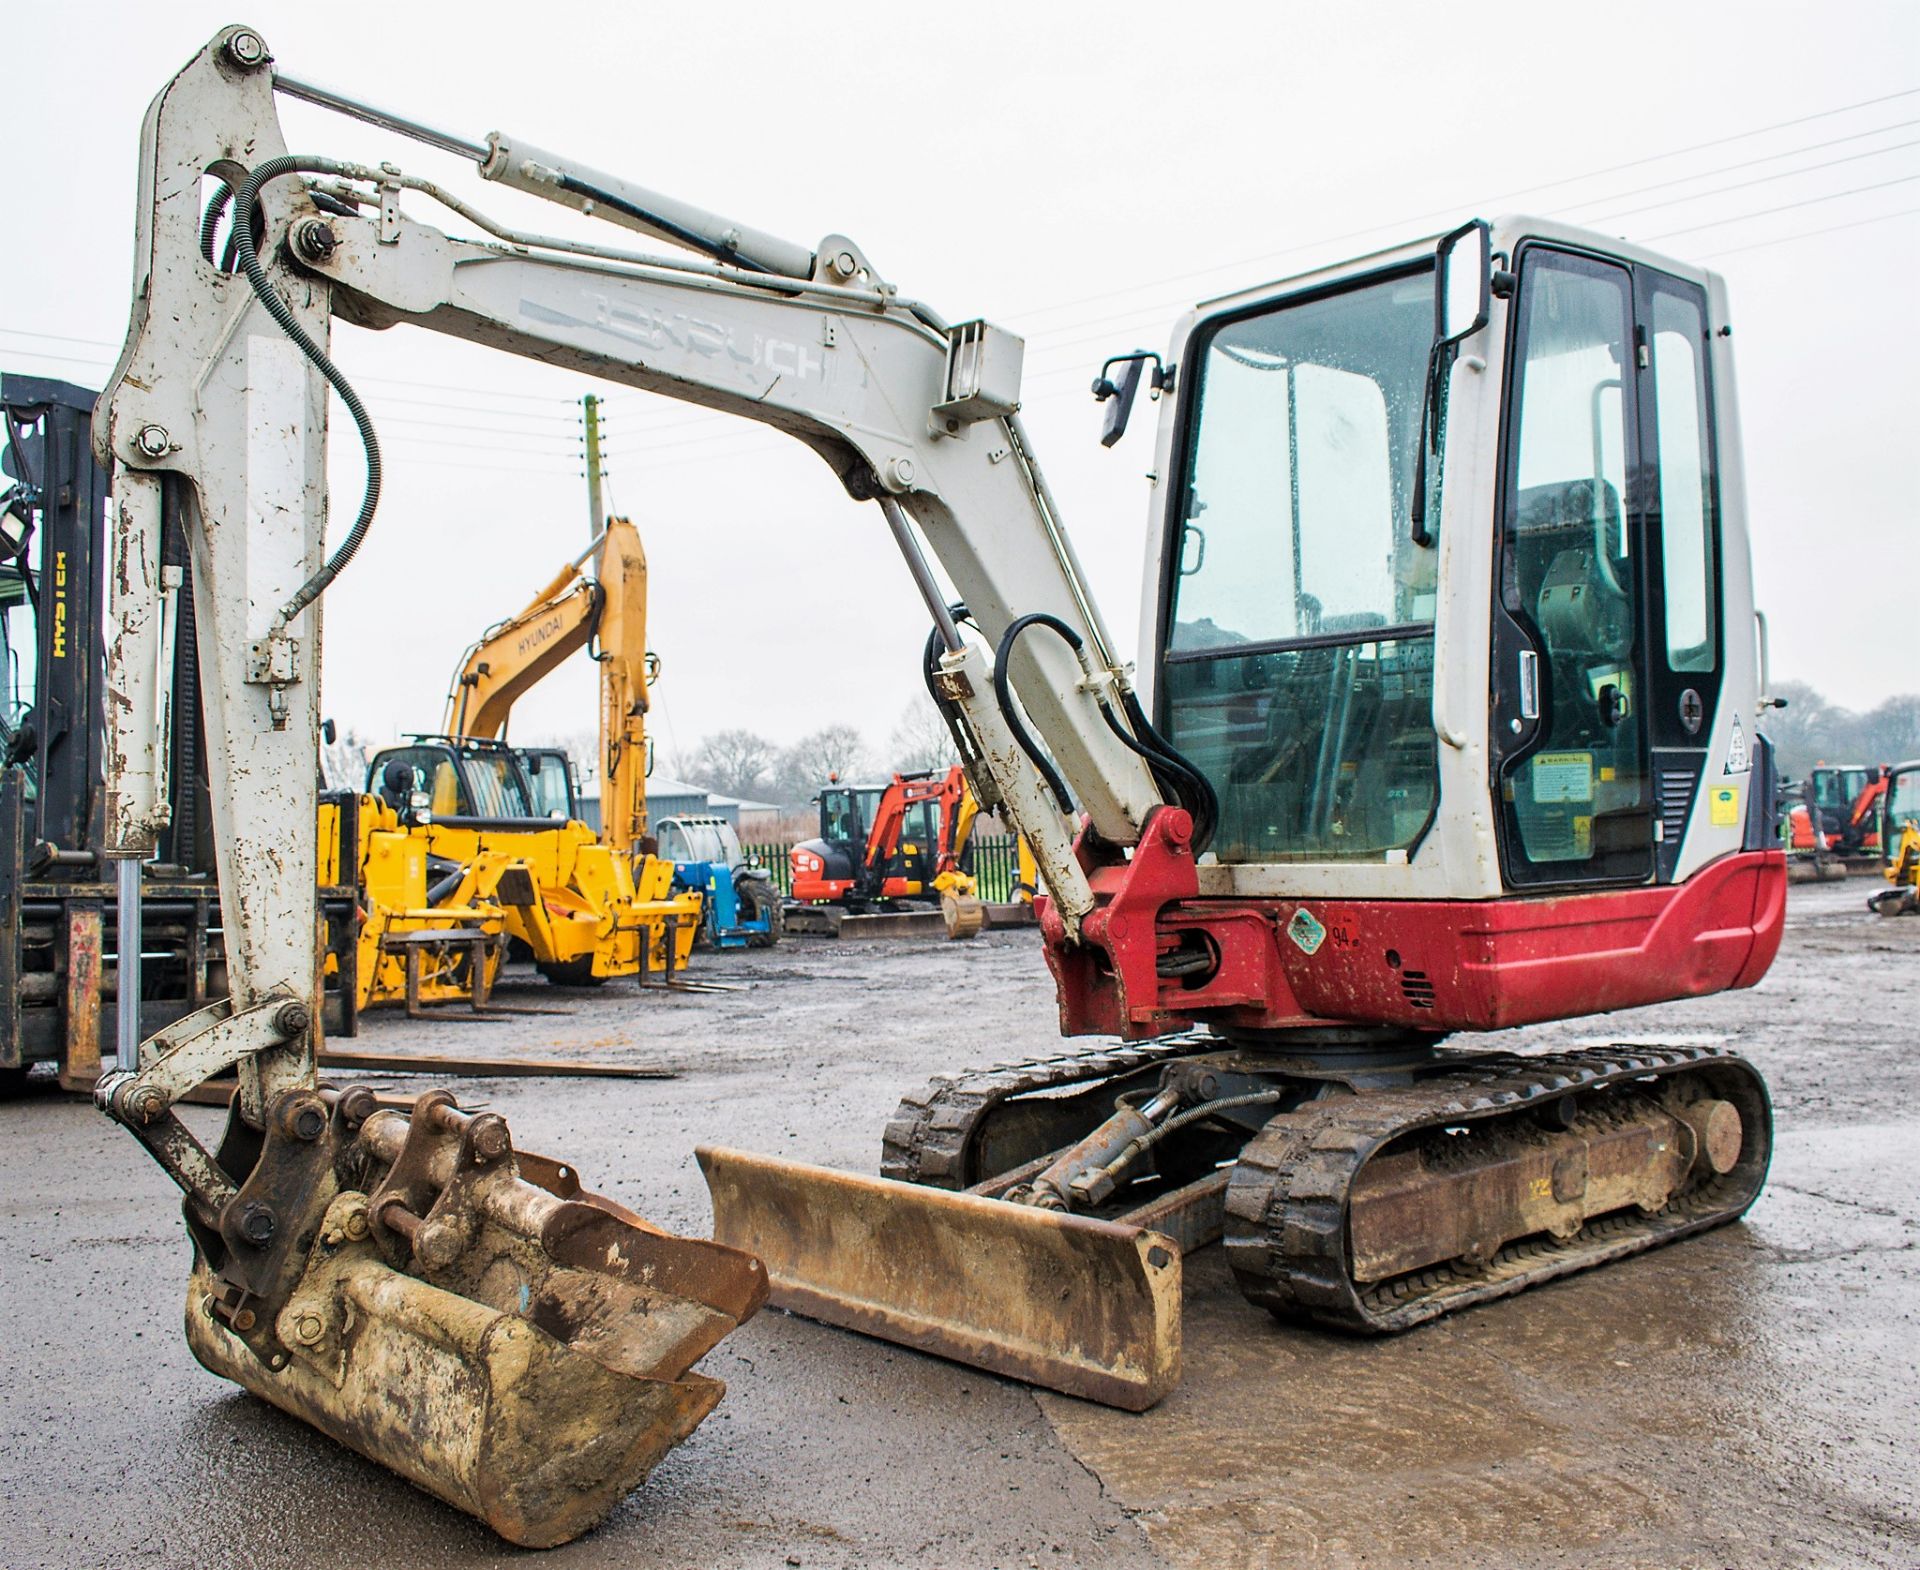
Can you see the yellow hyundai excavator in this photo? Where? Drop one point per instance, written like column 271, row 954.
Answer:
column 487, row 837
column 1442, row 722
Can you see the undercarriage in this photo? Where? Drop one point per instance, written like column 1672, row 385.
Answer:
column 1356, row 1190
column 1360, row 1181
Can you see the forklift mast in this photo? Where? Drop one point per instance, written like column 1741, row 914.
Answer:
column 58, row 903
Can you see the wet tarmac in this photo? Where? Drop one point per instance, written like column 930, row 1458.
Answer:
column 1749, row 1398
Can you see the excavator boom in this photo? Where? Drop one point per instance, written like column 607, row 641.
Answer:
column 598, row 601
column 511, row 657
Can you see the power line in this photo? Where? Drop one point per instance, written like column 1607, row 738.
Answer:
column 1808, row 234
column 1153, row 318
column 64, row 359
column 1765, row 158
column 1452, row 208
column 737, row 429
column 1742, row 185
column 93, row 343
column 405, row 437
column 1786, row 207
column 505, row 414
column 411, row 430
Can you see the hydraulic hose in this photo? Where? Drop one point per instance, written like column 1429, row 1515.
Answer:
column 1200, row 797
column 282, row 313
column 210, row 221
column 1173, row 774
column 1003, row 694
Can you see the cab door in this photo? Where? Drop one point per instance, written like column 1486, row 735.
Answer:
column 1606, row 636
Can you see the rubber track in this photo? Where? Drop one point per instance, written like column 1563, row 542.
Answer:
column 1287, row 1199
column 931, row 1133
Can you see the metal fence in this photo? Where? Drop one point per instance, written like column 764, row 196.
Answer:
column 995, row 858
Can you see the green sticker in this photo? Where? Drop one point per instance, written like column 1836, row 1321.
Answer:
column 1306, row 931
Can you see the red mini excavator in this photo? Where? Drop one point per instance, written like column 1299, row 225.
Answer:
column 882, row 843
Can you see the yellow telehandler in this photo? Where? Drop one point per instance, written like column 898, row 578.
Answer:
column 466, row 841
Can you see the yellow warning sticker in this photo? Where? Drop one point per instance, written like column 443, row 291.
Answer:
column 1723, row 806
column 1563, row 776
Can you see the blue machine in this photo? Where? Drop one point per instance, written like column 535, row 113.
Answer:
column 740, row 907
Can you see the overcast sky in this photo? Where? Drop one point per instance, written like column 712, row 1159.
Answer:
column 1079, row 174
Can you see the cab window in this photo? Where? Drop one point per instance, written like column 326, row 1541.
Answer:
column 1299, row 614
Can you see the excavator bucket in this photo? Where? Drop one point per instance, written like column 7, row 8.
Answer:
column 469, row 1316
column 1084, row 1306
column 965, row 915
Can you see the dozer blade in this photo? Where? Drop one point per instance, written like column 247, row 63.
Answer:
column 470, row 1318
column 1088, row 1307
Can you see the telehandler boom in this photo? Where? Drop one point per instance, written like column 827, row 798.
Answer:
column 1443, row 723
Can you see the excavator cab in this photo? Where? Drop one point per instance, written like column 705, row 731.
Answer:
column 1845, row 803
column 1446, row 699
column 835, row 866
column 550, row 783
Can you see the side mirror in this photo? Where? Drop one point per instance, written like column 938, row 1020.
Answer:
column 1463, row 282
column 1118, row 395
column 16, row 521
column 327, row 732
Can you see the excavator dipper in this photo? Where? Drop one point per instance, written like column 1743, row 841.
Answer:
column 1443, row 723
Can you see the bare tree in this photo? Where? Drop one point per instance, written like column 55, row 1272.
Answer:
column 734, row 763
column 920, row 739
column 837, row 752
column 343, row 761
column 1811, row 730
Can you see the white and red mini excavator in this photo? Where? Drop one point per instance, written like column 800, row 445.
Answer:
column 1442, row 722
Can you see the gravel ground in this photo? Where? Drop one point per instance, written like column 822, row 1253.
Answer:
column 1743, row 1399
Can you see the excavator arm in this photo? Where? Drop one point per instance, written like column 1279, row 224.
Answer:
column 513, row 656
column 909, row 412
column 598, row 600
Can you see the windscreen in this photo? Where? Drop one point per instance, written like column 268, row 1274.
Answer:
column 494, row 787
column 1298, row 668
column 843, row 816
column 547, row 775
column 1903, row 808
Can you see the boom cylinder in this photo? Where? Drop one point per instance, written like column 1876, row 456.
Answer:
column 523, row 167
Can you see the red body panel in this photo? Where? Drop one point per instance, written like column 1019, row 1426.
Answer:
column 814, row 890
column 1426, row 964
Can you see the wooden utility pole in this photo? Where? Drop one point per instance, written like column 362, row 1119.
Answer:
column 598, row 521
